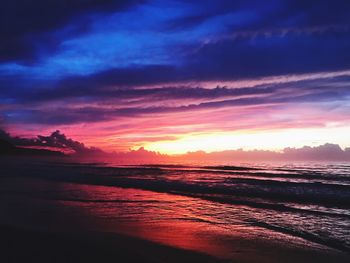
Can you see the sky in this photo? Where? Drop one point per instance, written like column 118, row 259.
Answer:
column 177, row 76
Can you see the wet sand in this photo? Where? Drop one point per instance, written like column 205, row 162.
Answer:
column 23, row 245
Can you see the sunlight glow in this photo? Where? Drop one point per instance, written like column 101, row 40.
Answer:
column 250, row 140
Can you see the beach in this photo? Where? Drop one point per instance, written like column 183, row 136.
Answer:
column 23, row 245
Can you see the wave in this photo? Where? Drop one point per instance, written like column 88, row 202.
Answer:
column 232, row 168
column 267, row 195
column 251, row 191
column 254, row 171
column 330, row 242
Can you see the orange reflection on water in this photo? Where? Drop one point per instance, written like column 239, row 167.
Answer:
column 159, row 217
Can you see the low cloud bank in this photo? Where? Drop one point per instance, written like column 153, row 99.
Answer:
column 59, row 141
column 326, row 152
column 56, row 140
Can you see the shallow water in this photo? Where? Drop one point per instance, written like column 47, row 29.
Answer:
column 199, row 207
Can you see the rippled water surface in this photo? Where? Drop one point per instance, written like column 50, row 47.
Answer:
column 302, row 205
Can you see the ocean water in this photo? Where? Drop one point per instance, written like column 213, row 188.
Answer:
column 207, row 208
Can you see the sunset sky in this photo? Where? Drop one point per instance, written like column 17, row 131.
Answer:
column 177, row 76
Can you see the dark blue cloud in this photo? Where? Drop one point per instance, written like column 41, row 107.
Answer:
column 25, row 25
column 53, row 39
column 261, row 55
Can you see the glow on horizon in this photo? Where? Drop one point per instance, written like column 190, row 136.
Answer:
column 275, row 140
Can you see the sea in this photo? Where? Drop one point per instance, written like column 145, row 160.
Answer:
column 205, row 207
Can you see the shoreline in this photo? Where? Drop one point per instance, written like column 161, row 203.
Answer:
column 24, row 245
